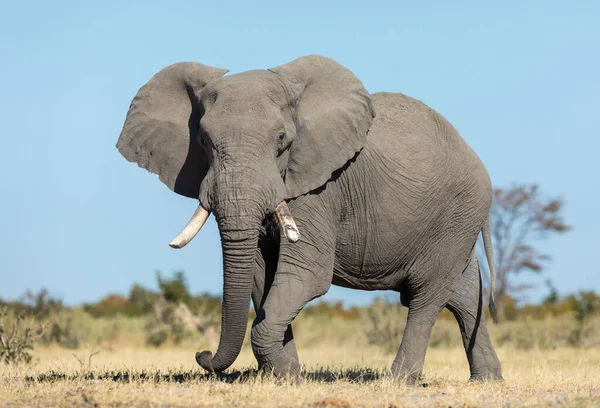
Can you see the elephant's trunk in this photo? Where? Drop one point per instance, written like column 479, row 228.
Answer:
column 239, row 201
column 239, row 251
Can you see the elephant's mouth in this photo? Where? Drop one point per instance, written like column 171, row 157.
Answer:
column 195, row 224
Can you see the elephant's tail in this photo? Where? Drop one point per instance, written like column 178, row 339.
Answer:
column 489, row 253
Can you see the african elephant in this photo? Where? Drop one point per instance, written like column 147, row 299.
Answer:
column 313, row 181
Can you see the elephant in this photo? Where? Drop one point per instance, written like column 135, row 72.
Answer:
column 314, row 181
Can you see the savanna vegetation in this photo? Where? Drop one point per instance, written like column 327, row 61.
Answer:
column 138, row 349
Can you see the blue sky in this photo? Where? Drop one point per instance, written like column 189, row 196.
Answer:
column 519, row 80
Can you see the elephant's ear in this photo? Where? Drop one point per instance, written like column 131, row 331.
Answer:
column 334, row 113
column 162, row 123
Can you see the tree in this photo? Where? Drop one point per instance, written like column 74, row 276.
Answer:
column 174, row 289
column 520, row 216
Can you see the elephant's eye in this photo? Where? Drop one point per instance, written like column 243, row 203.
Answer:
column 202, row 139
column 280, row 142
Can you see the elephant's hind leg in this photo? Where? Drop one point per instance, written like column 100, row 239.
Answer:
column 429, row 285
column 408, row 364
column 467, row 306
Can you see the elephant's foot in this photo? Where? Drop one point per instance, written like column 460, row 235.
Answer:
column 275, row 351
column 483, row 362
column 490, row 375
column 282, row 366
column 406, row 375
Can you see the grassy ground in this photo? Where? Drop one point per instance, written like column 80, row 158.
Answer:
column 334, row 377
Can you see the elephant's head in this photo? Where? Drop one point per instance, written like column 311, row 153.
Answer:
column 242, row 144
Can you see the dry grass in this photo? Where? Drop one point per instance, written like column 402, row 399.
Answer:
column 335, row 377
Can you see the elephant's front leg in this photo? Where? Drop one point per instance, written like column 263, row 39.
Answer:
column 266, row 265
column 304, row 272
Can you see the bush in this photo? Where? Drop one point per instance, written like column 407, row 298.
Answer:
column 445, row 334
column 62, row 332
column 141, row 300
column 584, row 305
column 176, row 322
column 17, row 342
column 384, row 324
column 332, row 310
column 40, row 305
column 175, row 289
column 110, row 306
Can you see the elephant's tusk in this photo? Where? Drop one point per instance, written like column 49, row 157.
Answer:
column 287, row 223
column 191, row 229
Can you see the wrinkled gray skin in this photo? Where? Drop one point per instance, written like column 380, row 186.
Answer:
column 385, row 193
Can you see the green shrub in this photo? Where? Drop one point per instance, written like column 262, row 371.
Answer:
column 584, row 306
column 176, row 322
column 384, row 323
column 111, row 306
column 141, row 300
column 18, row 341
column 174, row 289
column 39, row 305
column 445, row 334
column 41, row 308
column 62, row 332
column 332, row 310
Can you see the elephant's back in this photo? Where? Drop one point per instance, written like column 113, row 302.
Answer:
column 417, row 140
column 403, row 122
column 404, row 113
